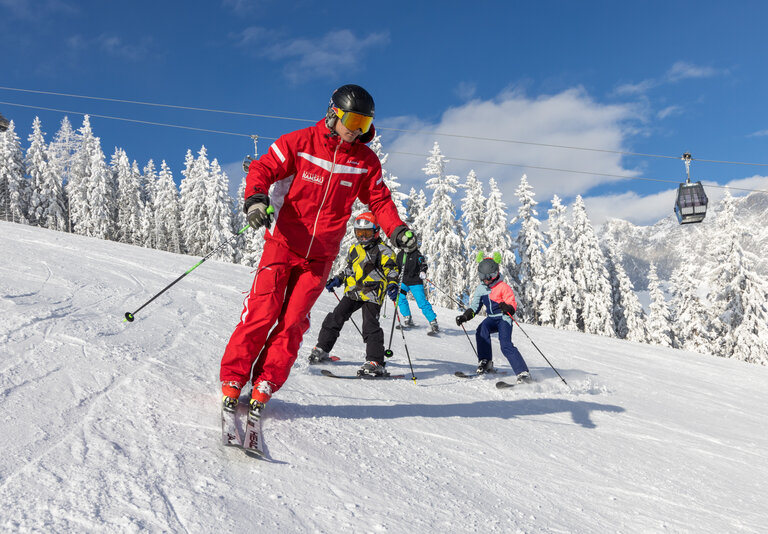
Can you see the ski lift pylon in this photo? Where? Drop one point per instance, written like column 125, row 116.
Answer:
column 691, row 203
column 248, row 159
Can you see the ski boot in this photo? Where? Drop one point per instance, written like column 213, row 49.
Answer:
column 262, row 392
column 407, row 322
column 524, row 378
column 255, row 408
column 434, row 326
column 231, row 391
column 372, row 369
column 485, row 366
column 318, row 355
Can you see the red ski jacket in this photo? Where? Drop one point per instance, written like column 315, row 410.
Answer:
column 315, row 177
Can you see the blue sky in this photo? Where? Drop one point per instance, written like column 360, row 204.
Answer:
column 652, row 77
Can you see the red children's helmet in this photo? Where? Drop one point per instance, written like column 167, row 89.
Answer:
column 366, row 229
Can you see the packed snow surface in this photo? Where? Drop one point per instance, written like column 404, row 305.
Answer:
column 109, row 426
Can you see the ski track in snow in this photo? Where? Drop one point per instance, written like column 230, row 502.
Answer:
column 110, row 426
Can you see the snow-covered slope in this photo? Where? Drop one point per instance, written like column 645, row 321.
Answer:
column 107, row 426
column 669, row 244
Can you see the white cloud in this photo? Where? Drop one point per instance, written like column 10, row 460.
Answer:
column 755, row 182
column 683, row 70
column 759, row 133
column 465, row 90
column 306, row 59
column 637, row 209
column 679, row 71
column 669, row 111
column 570, row 118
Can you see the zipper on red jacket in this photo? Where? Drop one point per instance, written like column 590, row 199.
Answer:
column 322, row 203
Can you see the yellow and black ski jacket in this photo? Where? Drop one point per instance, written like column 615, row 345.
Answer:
column 369, row 272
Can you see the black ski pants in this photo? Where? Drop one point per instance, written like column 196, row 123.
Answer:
column 373, row 335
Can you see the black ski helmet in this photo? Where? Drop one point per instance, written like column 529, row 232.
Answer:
column 488, row 267
column 349, row 97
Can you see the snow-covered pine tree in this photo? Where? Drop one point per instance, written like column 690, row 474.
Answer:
column 441, row 240
column 390, row 180
column 14, row 187
column 128, row 225
column 473, row 207
column 692, row 318
column 90, row 197
column 628, row 314
column 593, row 297
column 739, row 294
column 498, row 239
column 529, row 245
column 417, row 205
column 61, row 154
column 558, row 293
column 167, row 213
column 193, row 191
column 148, row 182
column 36, row 163
column 659, row 318
column 218, row 212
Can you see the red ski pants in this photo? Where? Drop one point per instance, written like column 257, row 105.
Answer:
column 284, row 290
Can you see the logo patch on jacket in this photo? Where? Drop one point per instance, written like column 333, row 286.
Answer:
column 311, row 177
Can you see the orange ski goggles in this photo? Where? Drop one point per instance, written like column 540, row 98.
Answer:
column 354, row 121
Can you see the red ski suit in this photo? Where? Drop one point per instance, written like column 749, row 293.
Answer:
column 314, row 178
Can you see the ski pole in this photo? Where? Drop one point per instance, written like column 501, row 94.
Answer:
column 470, row 341
column 351, row 319
column 402, row 333
column 388, row 353
column 445, row 293
column 130, row 316
column 461, row 306
column 537, row 348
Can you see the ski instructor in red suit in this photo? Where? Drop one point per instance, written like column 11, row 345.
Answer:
column 310, row 178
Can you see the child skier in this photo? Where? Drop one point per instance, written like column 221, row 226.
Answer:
column 370, row 274
column 414, row 272
column 499, row 301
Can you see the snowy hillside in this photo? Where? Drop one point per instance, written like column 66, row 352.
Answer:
column 107, row 426
column 669, row 244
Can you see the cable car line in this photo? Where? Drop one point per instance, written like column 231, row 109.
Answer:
column 172, row 106
column 131, row 120
column 137, row 121
column 400, row 130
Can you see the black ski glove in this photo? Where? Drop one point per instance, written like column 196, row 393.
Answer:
column 405, row 239
column 256, row 211
column 507, row 308
column 464, row 317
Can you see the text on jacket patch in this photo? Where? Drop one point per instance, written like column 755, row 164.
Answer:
column 310, row 177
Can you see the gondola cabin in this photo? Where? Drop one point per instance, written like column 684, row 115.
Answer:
column 691, row 204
